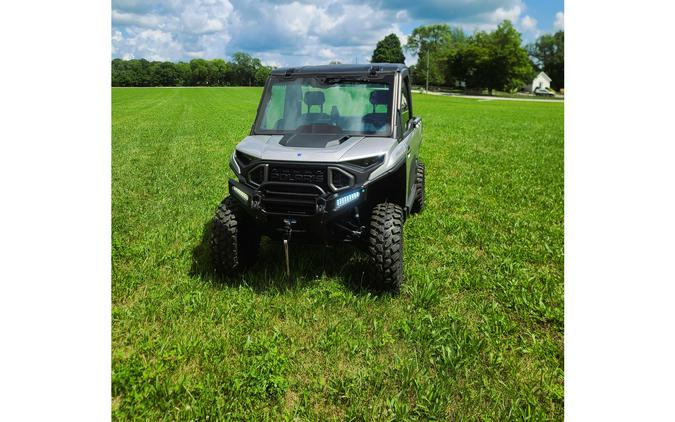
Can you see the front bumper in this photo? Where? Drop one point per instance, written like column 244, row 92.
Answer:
column 322, row 216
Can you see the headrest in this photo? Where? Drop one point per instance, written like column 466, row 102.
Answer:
column 314, row 98
column 379, row 97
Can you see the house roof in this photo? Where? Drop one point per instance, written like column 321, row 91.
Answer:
column 544, row 75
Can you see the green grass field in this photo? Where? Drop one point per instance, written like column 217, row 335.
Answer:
column 476, row 333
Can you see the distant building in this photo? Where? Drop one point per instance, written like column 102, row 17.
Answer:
column 542, row 80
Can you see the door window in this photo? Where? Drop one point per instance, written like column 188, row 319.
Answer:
column 405, row 103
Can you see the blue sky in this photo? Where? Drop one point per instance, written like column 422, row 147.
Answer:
column 292, row 33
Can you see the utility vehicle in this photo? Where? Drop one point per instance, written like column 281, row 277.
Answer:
column 333, row 156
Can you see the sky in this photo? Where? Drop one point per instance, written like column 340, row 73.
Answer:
column 303, row 32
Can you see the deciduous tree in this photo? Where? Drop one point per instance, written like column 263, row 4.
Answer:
column 494, row 60
column 433, row 44
column 245, row 70
column 548, row 54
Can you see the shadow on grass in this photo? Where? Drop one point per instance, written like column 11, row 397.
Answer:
column 308, row 264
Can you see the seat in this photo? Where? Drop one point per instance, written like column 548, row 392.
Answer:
column 375, row 121
column 379, row 97
column 314, row 98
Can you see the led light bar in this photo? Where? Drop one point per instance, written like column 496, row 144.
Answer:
column 240, row 193
column 344, row 200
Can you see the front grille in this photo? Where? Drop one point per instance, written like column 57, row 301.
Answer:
column 290, row 198
column 296, row 174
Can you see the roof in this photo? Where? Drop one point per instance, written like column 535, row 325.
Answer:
column 341, row 68
column 543, row 74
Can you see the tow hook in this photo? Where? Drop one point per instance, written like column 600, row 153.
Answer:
column 255, row 201
column 321, row 206
column 288, row 230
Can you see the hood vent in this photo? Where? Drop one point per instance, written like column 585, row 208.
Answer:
column 312, row 140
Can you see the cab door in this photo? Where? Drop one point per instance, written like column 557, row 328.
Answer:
column 411, row 128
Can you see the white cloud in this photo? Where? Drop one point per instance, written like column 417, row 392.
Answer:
column 402, row 16
column 501, row 14
column 327, row 53
column 528, row 23
column 290, row 32
column 155, row 36
column 488, row 21
column 171, row 30
column 559, row 24
column 151, row 44
column 206, row 16
column 299, row 34
column 135, row 19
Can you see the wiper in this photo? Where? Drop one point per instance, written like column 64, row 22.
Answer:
column 344, row 139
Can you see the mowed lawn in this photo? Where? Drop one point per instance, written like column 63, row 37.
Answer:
column 476, row 333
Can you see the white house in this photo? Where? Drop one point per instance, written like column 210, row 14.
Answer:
column 542, row 80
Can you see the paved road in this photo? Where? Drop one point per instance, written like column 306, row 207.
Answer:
column 486, row 98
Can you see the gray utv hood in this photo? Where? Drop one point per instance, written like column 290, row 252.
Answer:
column 267, row 147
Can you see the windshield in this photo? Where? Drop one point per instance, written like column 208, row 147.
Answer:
column 326, row 105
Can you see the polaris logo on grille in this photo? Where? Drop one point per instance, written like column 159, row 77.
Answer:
column 291, row 175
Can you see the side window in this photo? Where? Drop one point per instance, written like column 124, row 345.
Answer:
column 405, row 103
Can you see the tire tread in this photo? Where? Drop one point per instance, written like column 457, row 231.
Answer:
column 385, row 246
column 418, row 204
column 234, row 240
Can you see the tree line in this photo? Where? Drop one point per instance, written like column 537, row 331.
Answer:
column 446, row 57
column 242, row 70
column 496, row 60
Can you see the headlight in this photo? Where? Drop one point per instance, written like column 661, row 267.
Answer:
column 244, row 159
column 368, row 161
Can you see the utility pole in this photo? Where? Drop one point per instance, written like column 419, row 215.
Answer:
column 427, row 71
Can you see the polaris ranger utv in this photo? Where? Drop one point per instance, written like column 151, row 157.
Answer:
column 333, row 156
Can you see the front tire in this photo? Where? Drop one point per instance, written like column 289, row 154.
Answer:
column 234, row 239
column 385, row 246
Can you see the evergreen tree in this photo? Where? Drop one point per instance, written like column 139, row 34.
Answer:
column 388, row 50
